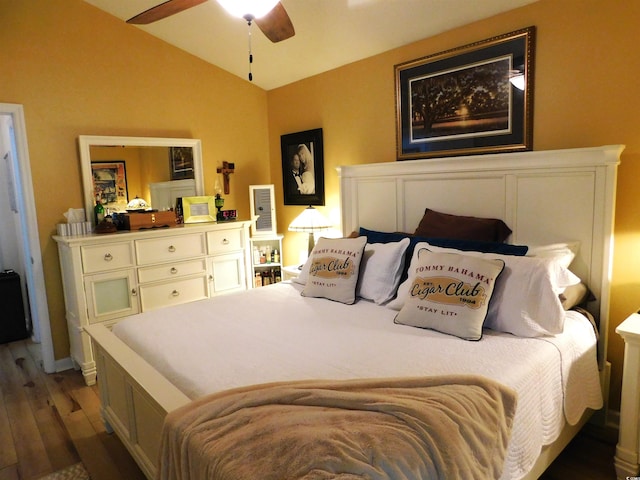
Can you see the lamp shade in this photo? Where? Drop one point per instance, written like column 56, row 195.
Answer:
column 248, row 8
column 310, row 221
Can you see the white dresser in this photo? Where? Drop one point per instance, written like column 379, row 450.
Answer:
column 111, row 276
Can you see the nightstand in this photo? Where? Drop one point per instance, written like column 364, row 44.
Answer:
column 627, row 459
column 290, row 272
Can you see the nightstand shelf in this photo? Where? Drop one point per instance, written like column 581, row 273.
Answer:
column 266, row 267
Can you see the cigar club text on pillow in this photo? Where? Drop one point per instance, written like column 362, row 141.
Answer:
column 334, row 267
column 449, row 293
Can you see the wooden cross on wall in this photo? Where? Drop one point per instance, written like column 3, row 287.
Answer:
column 226, row 170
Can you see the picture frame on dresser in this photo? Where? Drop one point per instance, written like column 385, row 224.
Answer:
column 473, row 99
column 200, row 209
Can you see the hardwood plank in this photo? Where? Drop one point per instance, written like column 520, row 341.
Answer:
column 56, row 440
column 33, row 460
column 94, row 456
column 8, row 455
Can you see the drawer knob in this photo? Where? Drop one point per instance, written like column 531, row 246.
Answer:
column 173, row 270
column 175, row 293
column 108, row 257
column 225, row 242
column 172, row 248
column 134, row 292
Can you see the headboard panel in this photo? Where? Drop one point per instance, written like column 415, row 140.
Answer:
column 544, row 197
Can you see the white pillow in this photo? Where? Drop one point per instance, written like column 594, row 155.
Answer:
column 449, row 293
column 380, row 270
column 525, row 301
column 334, row 266
column 564, row 252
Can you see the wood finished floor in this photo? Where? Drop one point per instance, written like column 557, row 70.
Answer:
column 48, row 422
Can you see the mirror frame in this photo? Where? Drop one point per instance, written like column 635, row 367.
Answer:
column 87, row 141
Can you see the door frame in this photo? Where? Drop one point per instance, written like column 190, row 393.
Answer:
column 34, row 271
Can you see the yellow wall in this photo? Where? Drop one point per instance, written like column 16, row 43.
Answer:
column 79, row 71
column 586, row 76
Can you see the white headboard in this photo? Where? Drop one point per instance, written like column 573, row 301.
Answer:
column 544, row 197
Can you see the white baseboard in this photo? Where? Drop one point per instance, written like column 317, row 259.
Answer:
column 64, row 364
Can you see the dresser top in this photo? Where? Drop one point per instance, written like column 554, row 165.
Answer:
column 124, row 235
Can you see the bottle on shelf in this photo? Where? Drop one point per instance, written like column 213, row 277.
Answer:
column 276, row 256
column 98, row 210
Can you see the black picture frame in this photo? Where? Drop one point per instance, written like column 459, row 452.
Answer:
column 181, row 163
column 465, row 101
column 308, row 187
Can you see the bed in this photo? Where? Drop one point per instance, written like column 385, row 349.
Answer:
column 566, row 197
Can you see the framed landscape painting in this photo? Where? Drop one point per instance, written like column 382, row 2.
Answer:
column 469, row 100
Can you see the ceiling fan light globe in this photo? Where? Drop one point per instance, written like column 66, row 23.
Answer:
column 248, row 8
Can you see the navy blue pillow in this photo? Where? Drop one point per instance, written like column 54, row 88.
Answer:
column 466, row 245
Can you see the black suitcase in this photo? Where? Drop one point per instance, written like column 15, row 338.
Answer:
column 13, row 324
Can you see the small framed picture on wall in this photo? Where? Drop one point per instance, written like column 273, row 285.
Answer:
column 303, row 168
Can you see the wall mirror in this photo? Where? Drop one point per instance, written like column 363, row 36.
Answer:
column 116, row 170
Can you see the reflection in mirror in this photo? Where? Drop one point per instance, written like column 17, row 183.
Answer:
column 116, row 170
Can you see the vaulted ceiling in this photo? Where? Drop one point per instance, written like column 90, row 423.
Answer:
column 329, row 33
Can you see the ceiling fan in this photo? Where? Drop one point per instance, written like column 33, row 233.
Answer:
column 270, row 16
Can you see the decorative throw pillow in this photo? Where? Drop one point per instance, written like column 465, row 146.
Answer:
column 444, row 225
column 334, row 266
column 526, row 301
column 380, row 270
column 449, row 293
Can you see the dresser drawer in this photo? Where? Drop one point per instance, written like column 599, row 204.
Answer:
column 161, row 295
column 222, row 241
column 167, row 249
column 169, row 271
column 110, row 256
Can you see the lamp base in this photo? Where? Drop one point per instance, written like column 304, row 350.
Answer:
column 312, row 242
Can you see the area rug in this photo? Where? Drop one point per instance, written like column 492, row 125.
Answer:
column 74, row 472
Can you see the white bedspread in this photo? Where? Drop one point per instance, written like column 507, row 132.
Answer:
column 274, row 334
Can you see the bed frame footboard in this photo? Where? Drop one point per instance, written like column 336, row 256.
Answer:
column 135, row 398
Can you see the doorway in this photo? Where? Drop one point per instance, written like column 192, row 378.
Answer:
column 21, row 236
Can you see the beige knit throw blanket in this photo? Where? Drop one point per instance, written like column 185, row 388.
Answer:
column 401, row 428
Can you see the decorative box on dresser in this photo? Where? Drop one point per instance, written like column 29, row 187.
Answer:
column 111, row 276
column 627, row 460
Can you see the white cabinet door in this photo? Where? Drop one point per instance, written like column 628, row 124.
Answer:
column 111, row 295
column 227, row 273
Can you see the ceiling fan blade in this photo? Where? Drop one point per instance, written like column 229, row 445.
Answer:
column 276, row 25
column 164, row 10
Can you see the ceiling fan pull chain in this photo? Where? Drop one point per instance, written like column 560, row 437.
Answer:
column 250, row 54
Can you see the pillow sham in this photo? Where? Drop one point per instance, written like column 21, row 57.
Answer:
column 445, row 225
column 574, row 296
column 449, row 293
column 526, row 299
column 334, row 266
column 380, row 270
